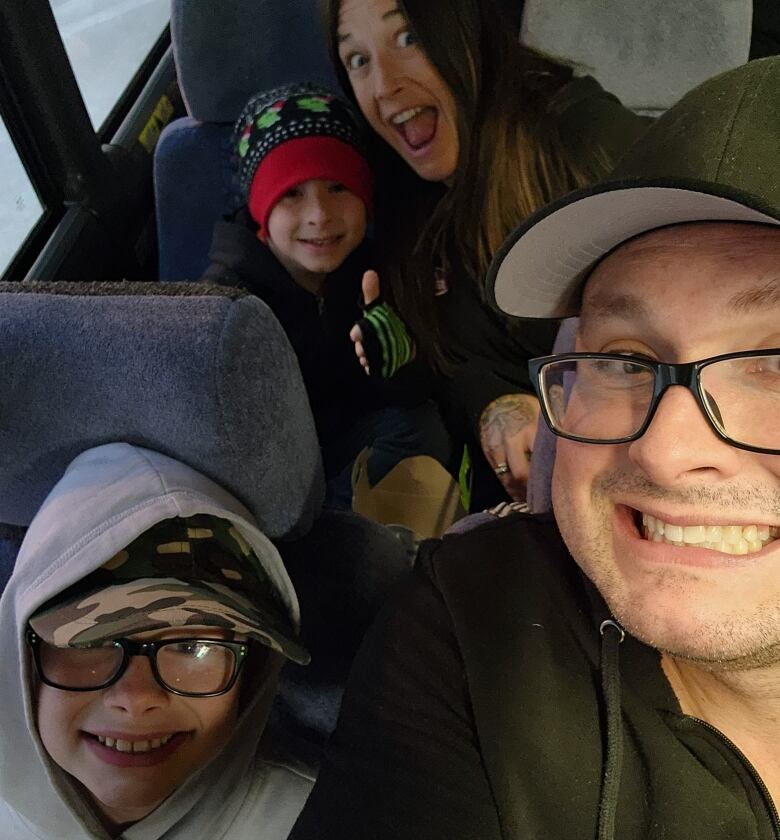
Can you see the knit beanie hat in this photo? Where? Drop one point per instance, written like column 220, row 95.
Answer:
column 296, row 133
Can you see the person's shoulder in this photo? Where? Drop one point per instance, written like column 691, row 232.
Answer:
column 498, row 544
column 578, row 91
column 590, row 117
column 508, row 521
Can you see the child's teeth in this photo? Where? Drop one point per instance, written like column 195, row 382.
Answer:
column 134, row 746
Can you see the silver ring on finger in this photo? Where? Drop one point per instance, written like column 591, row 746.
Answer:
column 501, row 469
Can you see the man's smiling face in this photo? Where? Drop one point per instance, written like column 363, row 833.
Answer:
column 681, row 294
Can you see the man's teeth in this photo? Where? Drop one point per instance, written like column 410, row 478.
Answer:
column 728, row 539
column 405, row 116
column 134, row 746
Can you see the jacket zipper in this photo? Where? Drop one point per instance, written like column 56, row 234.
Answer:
column 758, row 781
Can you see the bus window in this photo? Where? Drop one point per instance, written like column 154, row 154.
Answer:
column 20, row 208
column 107, row 41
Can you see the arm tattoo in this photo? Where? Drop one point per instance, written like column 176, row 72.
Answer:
column 505, row 417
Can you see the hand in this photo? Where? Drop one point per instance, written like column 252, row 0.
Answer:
column 507, row 429
column 371, row 292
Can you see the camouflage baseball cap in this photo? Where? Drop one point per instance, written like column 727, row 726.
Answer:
column 197, row 571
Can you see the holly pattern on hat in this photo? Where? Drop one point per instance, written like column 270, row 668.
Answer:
column 271, row 116
column 318, row 104
column 293, row 111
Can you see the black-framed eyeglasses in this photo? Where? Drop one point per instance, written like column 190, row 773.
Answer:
column 612, row 397
column 188, row 667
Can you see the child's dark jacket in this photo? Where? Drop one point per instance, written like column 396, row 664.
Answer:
column 317, row 326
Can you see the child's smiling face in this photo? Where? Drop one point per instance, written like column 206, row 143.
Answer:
column 127, row 785
column 313, row 228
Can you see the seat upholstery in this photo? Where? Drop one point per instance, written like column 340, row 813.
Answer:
column 648, row 54
column 203, row 374
column 224, row 53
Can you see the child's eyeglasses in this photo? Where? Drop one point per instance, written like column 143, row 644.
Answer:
column 188, row 667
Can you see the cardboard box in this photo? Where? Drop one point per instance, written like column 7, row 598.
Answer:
column 418, row 493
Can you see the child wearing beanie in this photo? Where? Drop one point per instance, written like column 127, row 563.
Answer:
column 299, row 244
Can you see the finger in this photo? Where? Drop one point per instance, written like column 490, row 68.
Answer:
column 519, row 463
column 514, row 486
column 370, row 286
column 356, row 334
column 499, row 463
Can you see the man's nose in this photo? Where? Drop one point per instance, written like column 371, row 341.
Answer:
column 136, row 691
column 680, row 443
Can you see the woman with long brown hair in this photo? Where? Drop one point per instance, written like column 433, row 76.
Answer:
column 484, row 133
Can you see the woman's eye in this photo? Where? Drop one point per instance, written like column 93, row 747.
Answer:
column 354, row 61
column 293, row 193
column 337, row 188
column 405, row 39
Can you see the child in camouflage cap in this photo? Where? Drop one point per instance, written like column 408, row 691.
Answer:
column 153, row 618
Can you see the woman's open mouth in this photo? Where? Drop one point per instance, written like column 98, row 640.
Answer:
column 417, row 126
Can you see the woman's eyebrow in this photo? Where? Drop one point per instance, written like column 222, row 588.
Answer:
column 394, row 12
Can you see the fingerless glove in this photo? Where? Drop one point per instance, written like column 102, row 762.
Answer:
column 386, row 343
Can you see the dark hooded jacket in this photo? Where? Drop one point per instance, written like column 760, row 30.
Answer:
column 317, row 325
column 487, row 705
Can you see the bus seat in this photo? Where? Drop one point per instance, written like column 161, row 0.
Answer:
column 11, row 537
column 540, row 478
column 342, row 570
column 224, row 53
column 648, row 54
column 200, row 373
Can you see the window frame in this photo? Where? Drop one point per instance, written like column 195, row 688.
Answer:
column 50, row 127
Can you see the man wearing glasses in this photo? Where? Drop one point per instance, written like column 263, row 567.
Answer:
column 611, row 672
column 151, row 620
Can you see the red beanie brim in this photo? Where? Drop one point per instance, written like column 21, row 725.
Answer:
column 305, row 159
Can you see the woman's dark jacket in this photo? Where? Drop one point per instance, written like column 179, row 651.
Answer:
column 489, row 353
column 485, row 704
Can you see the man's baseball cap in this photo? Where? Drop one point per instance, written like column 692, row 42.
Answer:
column 714, row 156
column 197, row 571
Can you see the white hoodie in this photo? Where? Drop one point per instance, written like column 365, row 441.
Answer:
column 108, row 497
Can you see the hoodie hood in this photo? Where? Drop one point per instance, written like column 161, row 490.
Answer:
column 107, row 497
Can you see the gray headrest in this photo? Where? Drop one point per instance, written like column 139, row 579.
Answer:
column 201, row 373
column 648, row 54
column 227, row 51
